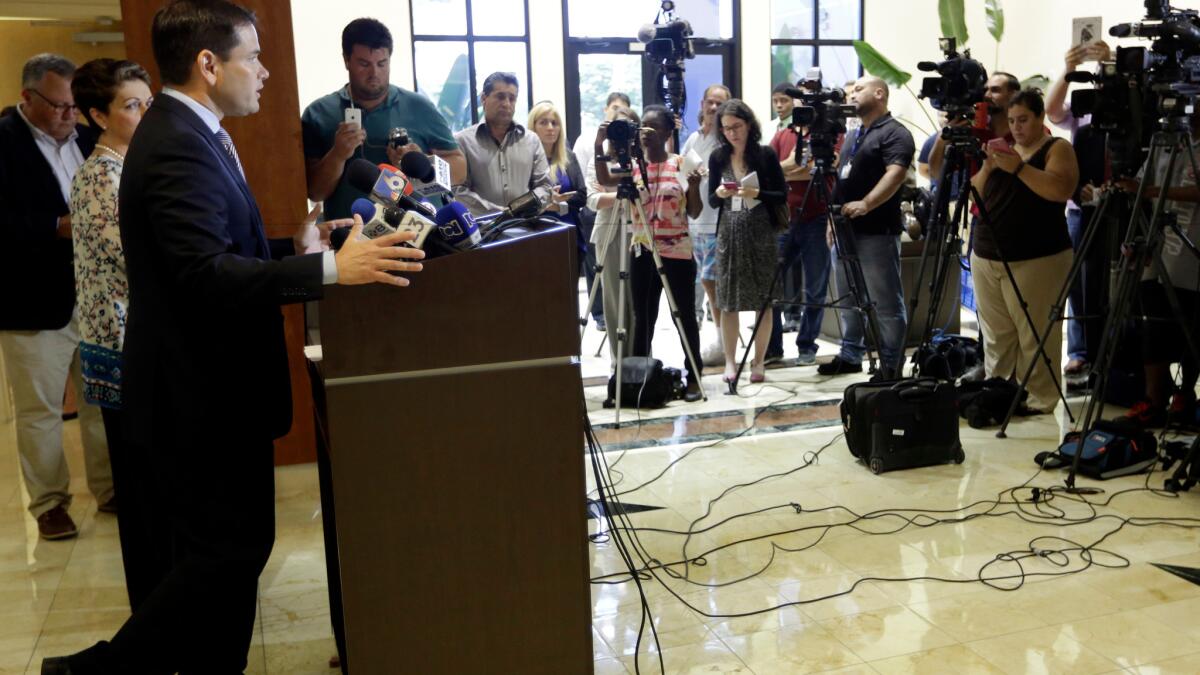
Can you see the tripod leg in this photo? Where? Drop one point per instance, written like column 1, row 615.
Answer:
column 623, row 217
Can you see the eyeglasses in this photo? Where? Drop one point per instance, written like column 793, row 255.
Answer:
column 60, row 108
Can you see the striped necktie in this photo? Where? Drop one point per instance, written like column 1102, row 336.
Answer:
column 227, row 143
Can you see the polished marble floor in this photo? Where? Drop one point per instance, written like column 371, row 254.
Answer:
column 784, row 584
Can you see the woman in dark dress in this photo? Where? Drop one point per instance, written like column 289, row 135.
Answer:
column 746, row 183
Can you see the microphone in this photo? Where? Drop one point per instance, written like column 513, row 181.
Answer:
column 457, row 227
column 527, row 205
column 380, row 220
column 430, row 175
column 407, row 192
column 408, row 187
column 384, row 186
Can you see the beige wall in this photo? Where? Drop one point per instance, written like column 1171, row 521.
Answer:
column 19, row 40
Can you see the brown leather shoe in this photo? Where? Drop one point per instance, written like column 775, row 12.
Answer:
column 109, row 506
column 56, row 524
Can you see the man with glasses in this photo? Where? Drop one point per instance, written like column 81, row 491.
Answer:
column 330, row 142
column 503, row 162
column 41, row 147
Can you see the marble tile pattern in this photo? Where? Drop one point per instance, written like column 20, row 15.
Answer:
column 785, row 584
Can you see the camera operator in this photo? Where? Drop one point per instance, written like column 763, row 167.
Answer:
column 1163, row 339
column 330, row 142
column 803, row 244
column 1025, row 188
column 1083, row 295
column 873, row 165
column 667, row 202
column 606, row 233
column 999, row 90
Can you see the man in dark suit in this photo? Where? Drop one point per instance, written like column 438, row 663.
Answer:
column 206, row 383
column 41, row 148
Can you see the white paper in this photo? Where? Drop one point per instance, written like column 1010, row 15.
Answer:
column 1085, row 30
column 750, row 180
column 691, row 161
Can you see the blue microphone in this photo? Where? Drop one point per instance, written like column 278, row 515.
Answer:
column 457, row 227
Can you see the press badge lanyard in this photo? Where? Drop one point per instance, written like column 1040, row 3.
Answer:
column 858, row 139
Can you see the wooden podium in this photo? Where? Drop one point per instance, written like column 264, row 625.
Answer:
column 455, row 420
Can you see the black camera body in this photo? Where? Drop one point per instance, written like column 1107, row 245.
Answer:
column 1144, row 88
column 625, row 143
column 668, row 42
column 960, row 82
column 823, row 112
column 398, row 138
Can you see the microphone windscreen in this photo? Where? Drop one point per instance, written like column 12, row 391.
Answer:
column 417, row 166
column 362, row 174
column 647, row 32
column 363, row 208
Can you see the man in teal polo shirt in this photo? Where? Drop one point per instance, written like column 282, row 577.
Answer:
column 330, row 142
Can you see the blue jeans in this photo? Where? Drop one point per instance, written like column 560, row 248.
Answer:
column 1076, row 343
column 879, row 256
column 803, row 246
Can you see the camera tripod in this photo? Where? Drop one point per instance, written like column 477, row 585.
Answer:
column 629, row 202
column 847, row 248
column 945, row 237
column 1141, row 249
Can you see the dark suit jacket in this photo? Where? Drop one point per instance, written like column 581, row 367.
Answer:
column 37, row 270
column 204, row 348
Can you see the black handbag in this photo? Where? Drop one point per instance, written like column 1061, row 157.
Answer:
column 902, row 424
column 645, row 383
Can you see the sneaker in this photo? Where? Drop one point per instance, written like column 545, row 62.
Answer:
column 1076, row 367
column 791, row 325
column 713, row 355
column 600, row 326
column 838, row 367
column 1182, row 409
column 1144, row 415
column 56, row 524
column 771, row 359
column 806, row 359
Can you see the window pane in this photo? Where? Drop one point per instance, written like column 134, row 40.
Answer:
column 792, row 19
column 839, row 65
column 600, row 74
column 498, row 17
column 509, row 57
column 839, row 19
column 790, row 63
column 443, row 77
column 700, row 72
column 439, row 17
column 623, row 18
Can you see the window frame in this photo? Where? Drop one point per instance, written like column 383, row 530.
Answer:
column 573, row 47
column 471, row 38
column 816, row 41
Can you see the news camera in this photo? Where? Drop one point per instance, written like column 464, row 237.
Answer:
column 668, row 44
column 823, row 112
column 1144, row 88
column 960, row 82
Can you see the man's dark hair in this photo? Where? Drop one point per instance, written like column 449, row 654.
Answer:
column 96, row 83
column 369, row 33
column 507, row 78
column 618, row 96
column 184, row 28
column 1011, row 80
column 781, row 88
column 1031, row 99
column 37, row 67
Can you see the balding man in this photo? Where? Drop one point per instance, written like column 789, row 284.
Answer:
column 874, row 160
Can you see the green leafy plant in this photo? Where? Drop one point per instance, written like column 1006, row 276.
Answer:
column 954, row 20
column 995, row 25
column 880, row 66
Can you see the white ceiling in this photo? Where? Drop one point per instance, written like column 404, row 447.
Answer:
column 64, row 10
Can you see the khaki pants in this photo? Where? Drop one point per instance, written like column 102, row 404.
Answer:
column 36, row 365
column 609, row 250
column 1008, row 342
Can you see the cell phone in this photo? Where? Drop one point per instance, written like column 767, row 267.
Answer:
column 354, row 116
column 730, row 185
column 1001, row 145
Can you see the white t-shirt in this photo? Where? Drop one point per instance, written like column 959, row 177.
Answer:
column 704, row 146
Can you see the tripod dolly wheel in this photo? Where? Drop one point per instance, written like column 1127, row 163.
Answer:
column 959, row 456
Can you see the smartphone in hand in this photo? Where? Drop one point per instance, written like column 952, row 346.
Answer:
column 1001, row 145
column 730, row 185
column 354, row 116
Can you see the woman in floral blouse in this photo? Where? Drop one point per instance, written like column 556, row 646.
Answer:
column 112, row 96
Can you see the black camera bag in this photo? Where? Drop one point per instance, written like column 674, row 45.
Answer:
column 902, row 424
